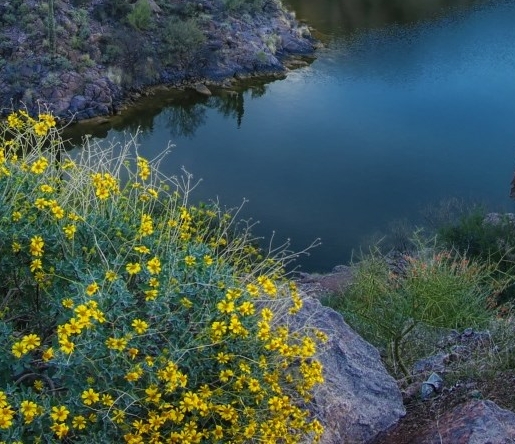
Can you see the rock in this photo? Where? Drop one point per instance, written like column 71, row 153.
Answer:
column 202, row 89
column 431, row 386
column 359, row 399
column 475, row 422
column 320, row 284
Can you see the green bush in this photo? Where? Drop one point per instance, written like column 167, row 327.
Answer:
column 128, row 315
column 243, row 5
column 182, row 38
column 492, row 241
column 140, row 17
column 443, row 290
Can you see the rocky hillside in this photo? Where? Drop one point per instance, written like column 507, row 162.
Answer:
column 81, row 58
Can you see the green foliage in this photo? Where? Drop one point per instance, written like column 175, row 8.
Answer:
column 471, row 234
column 140, row 17
column 127, row 315
column 244, row 5
column 182, row 39
column 436, row 290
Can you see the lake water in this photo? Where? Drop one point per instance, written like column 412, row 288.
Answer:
column 409, row 103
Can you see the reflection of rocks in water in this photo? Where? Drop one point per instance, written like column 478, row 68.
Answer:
column 185, row 111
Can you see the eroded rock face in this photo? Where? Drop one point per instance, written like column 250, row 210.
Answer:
column 359, row 398
column 81, row 79
column 475, row 422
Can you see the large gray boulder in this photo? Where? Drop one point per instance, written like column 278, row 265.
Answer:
column 475, row 422
column 359, row 398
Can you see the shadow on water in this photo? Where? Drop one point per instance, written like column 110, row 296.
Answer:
column 185, row 111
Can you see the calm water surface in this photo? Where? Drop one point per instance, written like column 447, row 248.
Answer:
column 410, row 103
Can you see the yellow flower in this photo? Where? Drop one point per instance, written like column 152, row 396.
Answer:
column 69, row 230
column 39, row 385
column 6, row 417
column 16, row 216
column 31, row 341
column 36, row 246
column 14, row 121
column 19, row 349
column 116, row 343
column 41, row 203
column 29, row 410
column 107, row 400
column 46, row 188
column 16, row 247
column 208, row 260
column 118, row 416
column 154, row 266
column 150, row 295
column 92, row 288
column 79, row 422
column 67, row 346
column 40, row 128
column 90, row 396
column 190, row 260
column 225, row 306
column 142, row 249
column 252, row 289
column 186, row 303
column 60, row 429
column 48, row 119
column 48, row 354
column 143, row 168
column 139, row 326
column 247, row 308
column 67, row 303
column 111, row 276
column 153, row 394
column 133, row 268
column 146, row 226
column 59, row 413
column 35, row 265
column 39, row 166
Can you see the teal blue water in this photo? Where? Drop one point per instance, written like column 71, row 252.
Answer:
column 395, row 114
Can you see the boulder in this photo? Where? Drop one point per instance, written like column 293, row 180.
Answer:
column 359, row 399
column 474, row 422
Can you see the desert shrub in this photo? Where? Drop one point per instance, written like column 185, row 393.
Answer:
column 128, row 315
column 244, row 5
column 434, row 290
column 494, row 240
column 182, row 38
column 141, row 15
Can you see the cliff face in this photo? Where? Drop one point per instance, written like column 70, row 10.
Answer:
column 81, row 58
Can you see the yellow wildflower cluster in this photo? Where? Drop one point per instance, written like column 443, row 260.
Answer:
column 6, row 412
column 105, row 185
column 143, row 168
column 85, row 314
column 21, row 120
column 25, row 345
column 146, row 226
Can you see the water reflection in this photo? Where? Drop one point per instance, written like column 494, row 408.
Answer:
column 185, row 112
column 337, row 17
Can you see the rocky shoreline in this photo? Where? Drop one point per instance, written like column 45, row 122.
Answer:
column 98, row 73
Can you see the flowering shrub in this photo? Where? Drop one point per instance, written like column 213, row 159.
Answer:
column 127, row 315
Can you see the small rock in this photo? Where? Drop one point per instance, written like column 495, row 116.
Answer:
column 202, row 89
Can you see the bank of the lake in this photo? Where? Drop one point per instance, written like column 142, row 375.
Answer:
column 84, row 59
